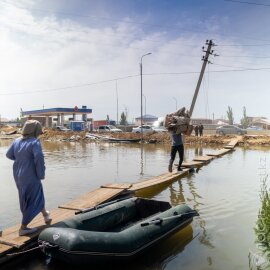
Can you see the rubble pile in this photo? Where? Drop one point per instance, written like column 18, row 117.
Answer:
column 7, row 132
column 179, row 122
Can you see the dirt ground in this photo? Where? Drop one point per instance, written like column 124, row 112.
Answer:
column 7, row 132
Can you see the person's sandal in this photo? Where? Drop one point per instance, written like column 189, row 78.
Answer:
column 27, row 231
column 47, row 218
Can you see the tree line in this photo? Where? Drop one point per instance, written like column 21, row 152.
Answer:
column 245, row 121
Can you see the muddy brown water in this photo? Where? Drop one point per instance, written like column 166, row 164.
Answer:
column 228, row 193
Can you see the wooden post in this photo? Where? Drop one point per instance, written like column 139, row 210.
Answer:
column 205, row 61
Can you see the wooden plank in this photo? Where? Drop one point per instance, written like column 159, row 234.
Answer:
column 192, row 164
column 11, row 235
column 148, row 183
column 202, row 158
column 232, row 143
column 4, row 249
column 228, row 147
column 117, row 186
column 92, row 198
column 220, row 152
column 8, row 243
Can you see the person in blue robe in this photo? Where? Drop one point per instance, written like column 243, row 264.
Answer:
column 28, row 171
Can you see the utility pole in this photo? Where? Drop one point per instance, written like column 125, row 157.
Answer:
column 116, row 102
column 205, row 60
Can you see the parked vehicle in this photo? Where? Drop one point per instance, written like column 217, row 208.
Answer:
column 108, row 128
column 160, row 129
column 230, row 129
column 62, row 128
column 143, row 129
column 254, row 128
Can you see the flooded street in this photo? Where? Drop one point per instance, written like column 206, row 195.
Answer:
column 227, row 194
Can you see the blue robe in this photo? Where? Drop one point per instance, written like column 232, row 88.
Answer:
column 28, row 170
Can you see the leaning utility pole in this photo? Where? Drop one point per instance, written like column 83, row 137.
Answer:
column 205, row 61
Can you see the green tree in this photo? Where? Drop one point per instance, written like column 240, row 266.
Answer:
column 123, row 119
column 245, row 121
column 230, row 115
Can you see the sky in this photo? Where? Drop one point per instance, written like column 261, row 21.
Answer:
column 68, row 53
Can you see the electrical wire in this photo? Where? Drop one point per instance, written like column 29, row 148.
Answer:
column 243, row 45
column 248, row 3
column 67, row 87
column 126, row 77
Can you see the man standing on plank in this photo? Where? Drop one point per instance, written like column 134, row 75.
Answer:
column 177, row 146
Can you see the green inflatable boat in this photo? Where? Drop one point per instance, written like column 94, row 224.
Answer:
column 115, row 232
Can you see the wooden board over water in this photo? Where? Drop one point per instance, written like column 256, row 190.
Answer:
column 93, row 198
column 202, row 158
column 192, row 164
column 12, row 237
column 219, row 153
column 117, row 186
column 164, row 178
column 232, row 144
column 10, row 241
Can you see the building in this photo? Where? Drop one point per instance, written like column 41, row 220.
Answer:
column 147, row 119
column 259, row 121
column 47, row 116
column 198, row 121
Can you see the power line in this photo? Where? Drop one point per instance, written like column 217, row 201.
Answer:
column 67, row 87
column 243, row 45
column 244, row 56
column 130, row 76
column 248, row 3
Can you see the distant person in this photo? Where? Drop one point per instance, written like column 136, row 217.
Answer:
column 196, row 129
column 201, row 128
column 28, row 171
column 177, row 146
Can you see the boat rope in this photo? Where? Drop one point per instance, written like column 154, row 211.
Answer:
column 22, row 252
column 42, row 246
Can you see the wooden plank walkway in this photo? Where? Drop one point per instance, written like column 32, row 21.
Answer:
column 202, row 158
column 220, row 152
column 10, row 241
column 93, row 198
column 10, row 238
column 232, row 144
column 163, row 179
column 192, row 164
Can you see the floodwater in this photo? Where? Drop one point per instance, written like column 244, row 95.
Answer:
column 229, row 193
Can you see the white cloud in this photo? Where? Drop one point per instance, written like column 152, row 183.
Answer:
column 48, row 52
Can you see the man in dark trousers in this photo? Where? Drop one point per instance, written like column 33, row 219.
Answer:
column 201, row 129
column 196, row 129
column 177, row 146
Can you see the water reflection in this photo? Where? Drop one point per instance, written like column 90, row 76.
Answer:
column 141, row 173
column 177, row 198
column 198, row 151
